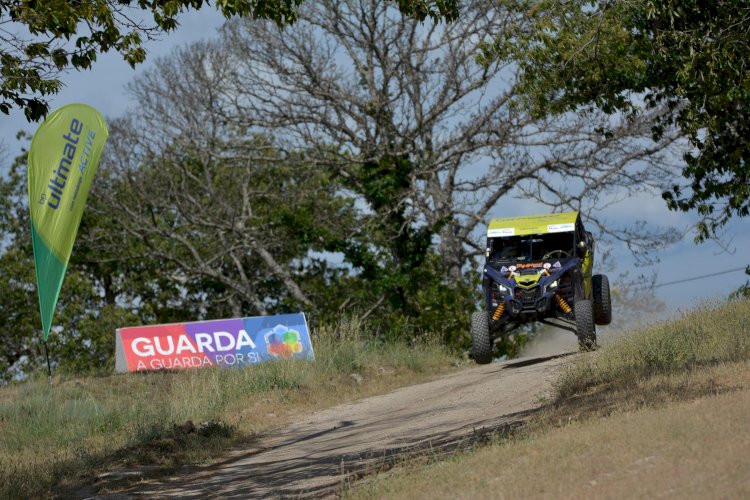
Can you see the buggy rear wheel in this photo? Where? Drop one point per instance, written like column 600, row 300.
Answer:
column 585, row 325
column 481, row 343
column 602, row 300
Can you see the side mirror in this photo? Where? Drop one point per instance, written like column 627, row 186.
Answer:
column 582, row 245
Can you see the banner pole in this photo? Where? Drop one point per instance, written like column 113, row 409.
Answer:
column 49, row 366
column 79, row 132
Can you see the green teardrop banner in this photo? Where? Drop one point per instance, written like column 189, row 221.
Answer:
column 63, row 158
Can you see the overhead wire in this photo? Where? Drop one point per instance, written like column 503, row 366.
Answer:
column 685, row 280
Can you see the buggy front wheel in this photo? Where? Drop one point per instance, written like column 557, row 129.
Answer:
column 585, row 324
column 481, row 343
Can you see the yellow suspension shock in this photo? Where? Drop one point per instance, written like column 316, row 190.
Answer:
column 499, row 311
column 563, row 305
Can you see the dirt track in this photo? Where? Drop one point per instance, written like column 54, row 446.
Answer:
column 316, row 456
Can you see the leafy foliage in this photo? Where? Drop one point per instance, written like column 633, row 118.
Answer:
column 94, row 301
column 743, row 292
column 46, row 38
column 618, row 56
column 158, row 244
column 258, row 173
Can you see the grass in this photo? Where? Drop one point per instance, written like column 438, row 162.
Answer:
column 702, row 337
column 659, row 412
column 54, row 438
column 688, row 449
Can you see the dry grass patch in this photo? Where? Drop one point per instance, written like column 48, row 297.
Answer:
column 702, row 338
column 659, row 412
column 53, row 439
column 651, row 392
column 681, row 449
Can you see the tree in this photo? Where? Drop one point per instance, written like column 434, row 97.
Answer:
column 688, row 58
column 422, row 133
column 87, row 310
column 345, row 164
column 241, row 221
column 743, row 292
column 40, row 40
column 220, row 207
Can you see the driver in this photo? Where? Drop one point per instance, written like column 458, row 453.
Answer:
column 509, row 249
column 509, row 252
column 537, row 251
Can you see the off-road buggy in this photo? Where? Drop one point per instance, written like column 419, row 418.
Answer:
column 539, row 268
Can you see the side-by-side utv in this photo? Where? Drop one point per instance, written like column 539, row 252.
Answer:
column 539, row 268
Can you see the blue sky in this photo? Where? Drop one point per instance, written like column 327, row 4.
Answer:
column 103, row 87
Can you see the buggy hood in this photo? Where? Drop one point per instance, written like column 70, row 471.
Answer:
column 532, row 224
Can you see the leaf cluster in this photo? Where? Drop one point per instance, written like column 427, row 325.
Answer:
column 624, row 56
column 40, row 40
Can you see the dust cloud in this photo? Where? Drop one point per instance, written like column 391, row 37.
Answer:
column 550, row 341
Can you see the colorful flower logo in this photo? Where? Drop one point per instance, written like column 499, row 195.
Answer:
column 281, row 342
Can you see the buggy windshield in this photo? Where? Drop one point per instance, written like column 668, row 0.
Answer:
column 532, row 247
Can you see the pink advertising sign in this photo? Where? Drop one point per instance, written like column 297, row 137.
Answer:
column 226, row 343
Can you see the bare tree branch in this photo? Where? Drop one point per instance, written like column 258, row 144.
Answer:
column 354, row 82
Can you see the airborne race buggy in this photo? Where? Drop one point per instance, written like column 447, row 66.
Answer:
column 539, row 268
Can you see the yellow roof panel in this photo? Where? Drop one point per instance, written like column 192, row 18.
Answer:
column 532, row 224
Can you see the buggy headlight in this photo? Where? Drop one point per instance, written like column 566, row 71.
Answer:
column 502, row 289
column 552, row 285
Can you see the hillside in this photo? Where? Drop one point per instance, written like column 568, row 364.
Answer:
column 660, row 412
column 666, row 401
column 56, row 439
